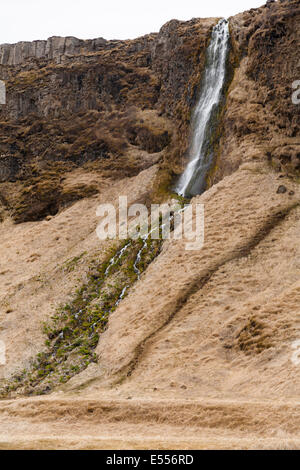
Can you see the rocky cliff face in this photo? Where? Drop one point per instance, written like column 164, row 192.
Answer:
column 55, row 48
column 120, row 106
column 260, row 120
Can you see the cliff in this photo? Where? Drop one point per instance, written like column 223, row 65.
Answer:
column 113, row 107
column 54, row 49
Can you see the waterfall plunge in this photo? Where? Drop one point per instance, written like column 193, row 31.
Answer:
column 193, row 179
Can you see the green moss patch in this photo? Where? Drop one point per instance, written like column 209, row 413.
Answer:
column 73, row 332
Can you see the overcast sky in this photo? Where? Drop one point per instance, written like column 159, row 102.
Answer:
column 27, row 20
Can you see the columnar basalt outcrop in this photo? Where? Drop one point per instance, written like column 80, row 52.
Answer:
column 120, row 106
column 53, row 49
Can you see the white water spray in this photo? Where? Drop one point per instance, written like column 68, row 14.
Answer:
column 192, row 180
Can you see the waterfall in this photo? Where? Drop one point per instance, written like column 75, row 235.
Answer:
column 193, row 179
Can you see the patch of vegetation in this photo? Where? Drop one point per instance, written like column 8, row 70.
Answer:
column 70, row 264
column 73, row 332
column 253, row 338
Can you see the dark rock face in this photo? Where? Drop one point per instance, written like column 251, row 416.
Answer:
column 148, row 140
column 9, row 168
column 55, row 48
column 116, row 107
column 260, row 120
